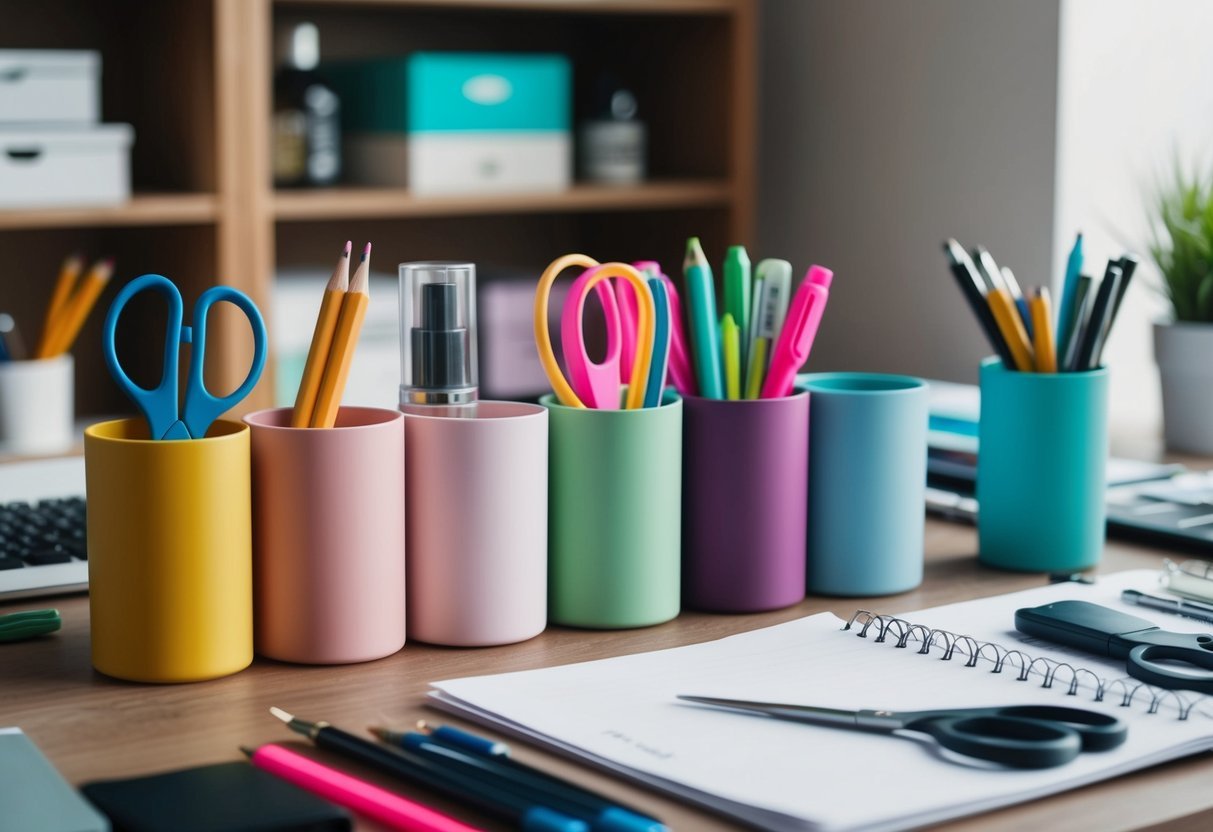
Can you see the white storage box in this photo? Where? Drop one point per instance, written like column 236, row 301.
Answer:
column 42, row 167
column 50, row 85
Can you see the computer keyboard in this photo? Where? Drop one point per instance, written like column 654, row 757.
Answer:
column 43, row 548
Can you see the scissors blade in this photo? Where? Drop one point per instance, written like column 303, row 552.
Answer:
column 791, row 713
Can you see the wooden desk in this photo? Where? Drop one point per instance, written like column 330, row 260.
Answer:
column 93, row 727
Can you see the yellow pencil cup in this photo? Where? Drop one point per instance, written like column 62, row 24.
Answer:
column 170, row 552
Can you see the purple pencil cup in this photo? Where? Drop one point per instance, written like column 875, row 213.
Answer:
column 745, row 483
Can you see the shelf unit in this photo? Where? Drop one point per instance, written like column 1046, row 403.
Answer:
column 194, row 77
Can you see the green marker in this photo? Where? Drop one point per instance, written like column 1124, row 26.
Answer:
column 737, row 293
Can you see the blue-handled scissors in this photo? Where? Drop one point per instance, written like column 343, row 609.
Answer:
column 1017, row 736
column 165, row 420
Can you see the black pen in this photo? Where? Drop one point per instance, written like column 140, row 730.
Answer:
column 603, row 814
column 1096, row 330
column 1177, row 606
column 1084, row 300
column 973, row 288
column 417, row 769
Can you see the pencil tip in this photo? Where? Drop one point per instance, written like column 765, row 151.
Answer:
column 349, row 244
column 248, row 752
column 281, row 714
column 366, row 251
column 381, row 733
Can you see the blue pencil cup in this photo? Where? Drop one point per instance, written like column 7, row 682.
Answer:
column 867, row 472
column 1042, row 453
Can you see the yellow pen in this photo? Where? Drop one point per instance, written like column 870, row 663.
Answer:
column 1042, row 330
column 1011, row 327
column 730, row 345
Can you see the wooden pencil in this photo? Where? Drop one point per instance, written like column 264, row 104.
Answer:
column 76, row 308
column 1043, row 342
column 345, row 339
column 68, row 272
column 322, row 341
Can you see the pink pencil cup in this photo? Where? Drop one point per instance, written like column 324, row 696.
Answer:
column 328, row 536
column 478, row 525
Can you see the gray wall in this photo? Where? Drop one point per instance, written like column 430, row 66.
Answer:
column 887, row 126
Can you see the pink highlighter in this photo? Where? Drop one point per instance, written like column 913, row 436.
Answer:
column 799, row 328
column 390, row 809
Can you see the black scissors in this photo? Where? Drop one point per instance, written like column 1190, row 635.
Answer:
column 1017, row 736
column 1143, row 645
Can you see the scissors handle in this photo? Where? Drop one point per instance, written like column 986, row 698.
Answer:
column 158, row 404
column 1098, row 732
column 596, row 384
column 201, row 408
column 1007, row 740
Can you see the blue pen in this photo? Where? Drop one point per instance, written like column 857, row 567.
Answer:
column 705, row 337
column 1065, row 311
column 661, row 343
column 462, row 749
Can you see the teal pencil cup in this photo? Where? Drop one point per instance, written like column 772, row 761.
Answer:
column 614, row 514
column 867, row 473
column 1041, row 459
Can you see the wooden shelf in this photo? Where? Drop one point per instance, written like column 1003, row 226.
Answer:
column 645, row 7
column 142, row 210
column 341, row 203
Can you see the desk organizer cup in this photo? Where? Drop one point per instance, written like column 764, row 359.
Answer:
column 616, row 504
column 328, row 535
column 1042, row 451
column 745, row 483
column 170, row 552
column 867, row 473
column 477, row 524
column 37, row 405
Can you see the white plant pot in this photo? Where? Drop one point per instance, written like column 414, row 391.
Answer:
column 1184, row 352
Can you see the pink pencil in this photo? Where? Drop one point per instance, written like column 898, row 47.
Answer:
column 390, row 809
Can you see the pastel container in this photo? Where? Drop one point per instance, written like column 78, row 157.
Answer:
column 1042, row 452
column 477, row 525
column 744, row 483
column 37, row 405
column 170, row 552
column 867, row 475
column 616, row 514
column 328, row 536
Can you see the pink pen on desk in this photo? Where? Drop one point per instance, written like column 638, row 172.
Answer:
column 796, row 338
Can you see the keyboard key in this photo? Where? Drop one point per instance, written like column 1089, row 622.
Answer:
column 45, row 558
column 10, row 563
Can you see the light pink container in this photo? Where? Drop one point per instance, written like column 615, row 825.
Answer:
column 328, row 536
column 478, row 525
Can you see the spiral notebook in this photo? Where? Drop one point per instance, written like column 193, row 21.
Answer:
column 621, row 714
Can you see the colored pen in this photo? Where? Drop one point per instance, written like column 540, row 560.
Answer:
column 796, row 338
column 772, row 290
column 701, row 295
column 655, row 384
column 1177, row 606
column 737, row 296
column 1095, row 329
column 1128, row 265
column 600, row 813
column 1068, row 308
column 409, row 766
column 388, row 808
column 1042, row 330
column 1012, row 329
column 1084, row 297
column 973, row 288
column 679, row 368
column 1021, row 303
column 730, row 345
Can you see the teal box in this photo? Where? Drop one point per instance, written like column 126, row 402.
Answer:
column 458, row 122
column 1042, row 453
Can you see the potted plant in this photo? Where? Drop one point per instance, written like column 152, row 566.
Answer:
column 1182, row 248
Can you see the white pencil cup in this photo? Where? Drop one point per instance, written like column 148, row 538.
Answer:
column 37, row 405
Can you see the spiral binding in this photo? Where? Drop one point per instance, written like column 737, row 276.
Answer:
column 975, row 650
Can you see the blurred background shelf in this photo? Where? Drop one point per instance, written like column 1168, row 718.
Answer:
column 143, row 209
column 338, row 203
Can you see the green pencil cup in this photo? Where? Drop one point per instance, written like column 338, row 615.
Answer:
column 1041, row 459
column 614, row 514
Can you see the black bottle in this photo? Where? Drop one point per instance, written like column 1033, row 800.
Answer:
column 307, row 115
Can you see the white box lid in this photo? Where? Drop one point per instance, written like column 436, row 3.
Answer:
column 14, row 62
column 21, row 137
